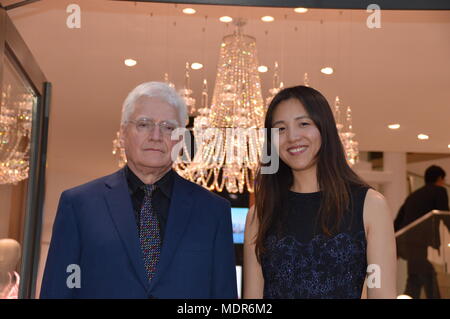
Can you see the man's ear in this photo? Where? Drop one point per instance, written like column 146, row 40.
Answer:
column 122, row 132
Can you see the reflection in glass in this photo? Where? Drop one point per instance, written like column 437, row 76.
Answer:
column 17, row 102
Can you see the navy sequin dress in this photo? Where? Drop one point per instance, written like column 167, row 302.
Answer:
column 304, row 263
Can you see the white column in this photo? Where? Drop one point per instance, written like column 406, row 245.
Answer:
column 395, row 190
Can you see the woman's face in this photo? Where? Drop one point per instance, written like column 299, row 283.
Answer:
column 299, row 138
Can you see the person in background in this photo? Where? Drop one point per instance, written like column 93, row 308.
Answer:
column 427, row 198
column 144, row 231
column 414, row 249
column 316, row 226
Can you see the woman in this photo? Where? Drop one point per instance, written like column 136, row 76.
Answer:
column 316, row 226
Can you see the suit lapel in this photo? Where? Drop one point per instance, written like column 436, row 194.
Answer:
column 180, row 211
column 121, row 210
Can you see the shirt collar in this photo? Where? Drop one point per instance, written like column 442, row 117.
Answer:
column 165, row 183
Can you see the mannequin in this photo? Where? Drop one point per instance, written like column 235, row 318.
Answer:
column 9, row 279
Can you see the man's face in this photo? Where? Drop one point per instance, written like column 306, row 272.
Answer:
column 148, row 146
column 440, row 181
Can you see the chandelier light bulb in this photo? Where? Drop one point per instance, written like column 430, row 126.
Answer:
column 301, row 10
column 267, row 18
column 189, row 11
column 130, row 62
column 226, row 19
column 327, row 70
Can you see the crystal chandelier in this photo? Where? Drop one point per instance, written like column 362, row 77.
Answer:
column 345, row 130
column 15, row 134
column 228, row 135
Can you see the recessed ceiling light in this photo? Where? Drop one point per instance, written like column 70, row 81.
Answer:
column 394, row 126
column 226, row 19
column 423, row 137
column 448, row 145
column 189, row 11
column 267, row 18
column 301, row 10
column 196, row 66
column 327, row 70
column 130, row 62
column 263, row 68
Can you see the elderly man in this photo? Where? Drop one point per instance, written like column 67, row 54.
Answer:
column 142, row 232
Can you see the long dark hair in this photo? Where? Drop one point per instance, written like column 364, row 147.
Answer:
column 334, row 175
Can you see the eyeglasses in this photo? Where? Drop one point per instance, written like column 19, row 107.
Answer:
column 147, row 126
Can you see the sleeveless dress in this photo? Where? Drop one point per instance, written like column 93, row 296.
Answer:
column 304, row 263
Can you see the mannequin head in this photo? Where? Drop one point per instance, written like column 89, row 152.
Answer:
column 9, row 255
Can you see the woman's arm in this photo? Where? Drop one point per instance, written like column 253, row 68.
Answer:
column 253, row 278
column 381, row 247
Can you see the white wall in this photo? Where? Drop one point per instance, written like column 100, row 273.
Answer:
column 420, row 167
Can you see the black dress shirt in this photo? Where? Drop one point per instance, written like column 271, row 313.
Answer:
column 420, row 202
column 160, row 199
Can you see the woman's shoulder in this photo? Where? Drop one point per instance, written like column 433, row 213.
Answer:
column 375, row 198
column 376, row 208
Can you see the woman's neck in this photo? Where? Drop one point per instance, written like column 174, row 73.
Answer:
column 305, row 181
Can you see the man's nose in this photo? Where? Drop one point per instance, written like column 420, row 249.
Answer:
column 155, row 133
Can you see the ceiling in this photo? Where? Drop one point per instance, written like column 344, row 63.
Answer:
column 399, row 73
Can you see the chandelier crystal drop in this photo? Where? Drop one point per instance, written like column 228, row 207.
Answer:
column 186, row 92
column 277, row 86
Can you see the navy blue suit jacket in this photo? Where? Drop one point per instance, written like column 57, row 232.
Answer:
column 95, row 228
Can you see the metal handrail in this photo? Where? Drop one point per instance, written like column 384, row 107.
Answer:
column 421, row 219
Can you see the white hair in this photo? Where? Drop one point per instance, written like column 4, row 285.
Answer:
column 158, row 90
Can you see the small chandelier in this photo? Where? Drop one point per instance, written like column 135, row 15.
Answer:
column 345, row 130
column 15, row 135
